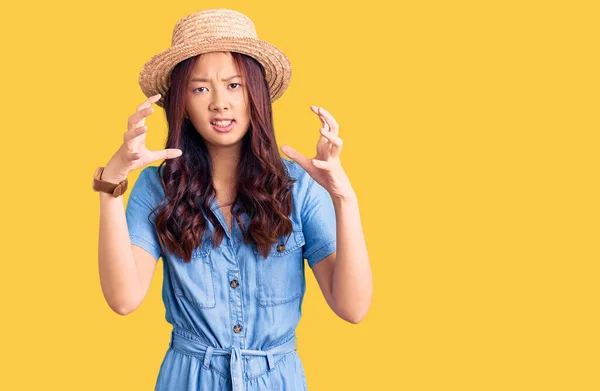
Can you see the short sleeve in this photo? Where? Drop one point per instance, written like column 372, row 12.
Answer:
column 139, row 205
column 318, row 223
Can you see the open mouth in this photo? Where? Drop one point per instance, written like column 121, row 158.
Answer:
column 223, row 126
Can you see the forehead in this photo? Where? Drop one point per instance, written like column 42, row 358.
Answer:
column 214, row 64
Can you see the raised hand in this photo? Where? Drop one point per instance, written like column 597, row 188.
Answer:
column 326, row 167
column 133, row 153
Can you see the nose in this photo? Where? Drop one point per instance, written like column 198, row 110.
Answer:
column 219, row 101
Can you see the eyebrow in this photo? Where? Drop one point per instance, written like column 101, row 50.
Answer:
column 206, row 80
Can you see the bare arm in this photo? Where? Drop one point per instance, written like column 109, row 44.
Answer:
column 345, row 277
column 126, row 270
column 119, row 275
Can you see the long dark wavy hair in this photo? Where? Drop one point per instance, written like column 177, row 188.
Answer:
column 263, row 186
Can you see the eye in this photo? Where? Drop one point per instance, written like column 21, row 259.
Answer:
column 237, row 84
column 198, row 88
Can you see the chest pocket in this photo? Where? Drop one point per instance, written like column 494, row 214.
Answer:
column 280, row 276
column 194, row 280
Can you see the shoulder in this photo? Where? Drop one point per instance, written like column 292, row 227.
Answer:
column 148, row 184
column 296, row 171
column 304, row 182
column 305, row 186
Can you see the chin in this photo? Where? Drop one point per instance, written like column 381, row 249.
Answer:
column 225, row 140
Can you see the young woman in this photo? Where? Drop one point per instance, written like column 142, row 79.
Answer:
column 232, row 220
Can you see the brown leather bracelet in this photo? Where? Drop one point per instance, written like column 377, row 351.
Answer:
column 116, row 189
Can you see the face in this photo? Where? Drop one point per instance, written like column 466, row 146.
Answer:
column 216, row 91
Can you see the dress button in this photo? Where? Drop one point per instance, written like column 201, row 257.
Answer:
column 237, row 328
column 234, row 283
column 280, row 247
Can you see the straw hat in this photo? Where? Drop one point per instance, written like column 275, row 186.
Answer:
column 210, row 31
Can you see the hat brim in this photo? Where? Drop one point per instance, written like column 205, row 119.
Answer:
column 155, row 75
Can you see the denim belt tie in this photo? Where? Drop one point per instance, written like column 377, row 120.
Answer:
column 235, row 363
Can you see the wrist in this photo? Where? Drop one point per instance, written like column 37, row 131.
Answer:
column 347, row 194
column 103, row 183
column 111, row 175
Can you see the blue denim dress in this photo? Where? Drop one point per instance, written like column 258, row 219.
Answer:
column 234, row 313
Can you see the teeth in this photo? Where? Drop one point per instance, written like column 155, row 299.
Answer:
column 221, row 123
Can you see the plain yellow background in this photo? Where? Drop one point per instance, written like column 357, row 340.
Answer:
column 470, row 135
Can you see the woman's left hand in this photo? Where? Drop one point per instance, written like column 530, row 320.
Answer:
column 325, row 167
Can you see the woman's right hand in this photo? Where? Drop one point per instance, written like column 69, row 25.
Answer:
column 133, row 153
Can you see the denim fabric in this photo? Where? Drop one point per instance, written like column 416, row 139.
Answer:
column 205, row 310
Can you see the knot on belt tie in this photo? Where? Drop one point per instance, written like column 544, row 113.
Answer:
column 235, row 363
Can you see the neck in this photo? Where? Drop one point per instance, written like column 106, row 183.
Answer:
column 225, row 162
